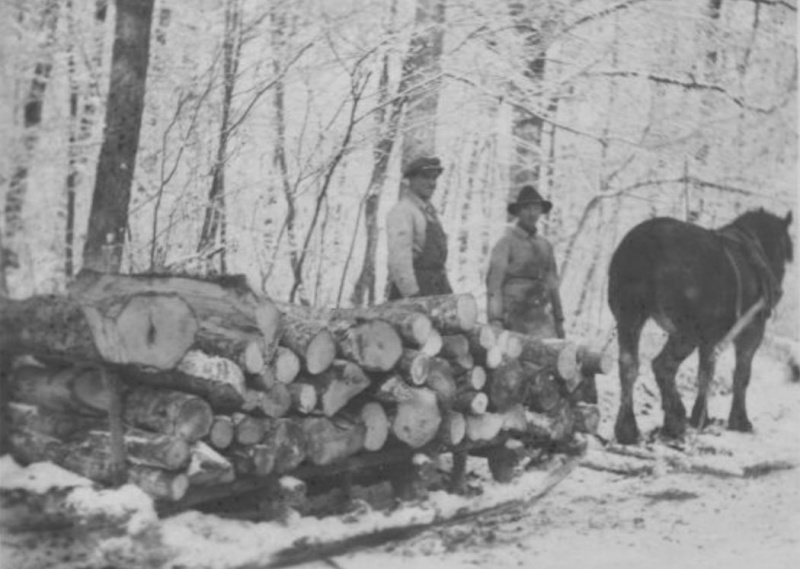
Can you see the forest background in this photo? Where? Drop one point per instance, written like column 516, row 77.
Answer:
column 273, row 133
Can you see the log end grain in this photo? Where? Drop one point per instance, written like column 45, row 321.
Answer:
column 320, row 353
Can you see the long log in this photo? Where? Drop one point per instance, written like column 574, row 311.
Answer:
column 372, row 344
column 226, row 312
column 556, row 354
column 413, row 327
column 94, row 462
column 208, row 467
column 217, row 380
column 169, row 412
column 451, row 314
column 337, row 385
column 331, row 441
column 416, row 420
column 308, row 337
column 78, row 390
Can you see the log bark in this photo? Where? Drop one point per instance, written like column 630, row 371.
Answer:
column 558, row 355
column 450, row 314
column 222, row 432
column 440, row 380
column 413, row 327
column 587, row 418
column 543, row 394
column 471, row 402
column 416, row 420
column 207, row 467
column 286, row 439
column 275, row 402
column 94, row 462
column 337, row 385
column 331, row 441
column 507, row 385
column 217, row 380
column 226, row 311
column 414, row 366
column 77, row 390
column 144, row 448
column 53, row 423
column 372, row 344
column 169, row 412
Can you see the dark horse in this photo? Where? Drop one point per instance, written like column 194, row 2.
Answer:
column 696, row 284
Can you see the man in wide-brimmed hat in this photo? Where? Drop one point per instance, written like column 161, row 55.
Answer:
column 416, row 241
column 522, row 282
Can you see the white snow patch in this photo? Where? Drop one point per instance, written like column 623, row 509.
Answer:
column 127, row 502
column 37, row 478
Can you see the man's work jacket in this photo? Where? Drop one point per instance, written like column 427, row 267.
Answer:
column 417, row 249
column 522, row 284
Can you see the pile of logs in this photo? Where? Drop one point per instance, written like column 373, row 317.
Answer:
column 188, row 386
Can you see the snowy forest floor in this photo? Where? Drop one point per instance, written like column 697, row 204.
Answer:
column 732, row 501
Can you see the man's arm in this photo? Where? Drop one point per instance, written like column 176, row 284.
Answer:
column 553, row 283
column 498, row 264
column 400, row 241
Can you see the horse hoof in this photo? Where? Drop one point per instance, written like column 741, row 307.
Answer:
column 626, row 432
column 696, row 421
column 674, row 428
column 740, row 424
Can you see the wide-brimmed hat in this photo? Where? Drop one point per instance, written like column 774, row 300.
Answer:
column 528, row 195
column 425, row 166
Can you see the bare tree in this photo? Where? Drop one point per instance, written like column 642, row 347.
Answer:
column 108, row 217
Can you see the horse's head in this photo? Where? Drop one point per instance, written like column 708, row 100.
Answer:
column 772, row 233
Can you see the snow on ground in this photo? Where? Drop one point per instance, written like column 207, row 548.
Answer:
column 671, row 516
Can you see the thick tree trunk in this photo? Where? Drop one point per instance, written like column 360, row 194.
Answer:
column 169, row 412
column 108, row 218
column 450, row 313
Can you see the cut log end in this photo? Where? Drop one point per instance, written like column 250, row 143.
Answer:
column 320, row 353
column 467, row 311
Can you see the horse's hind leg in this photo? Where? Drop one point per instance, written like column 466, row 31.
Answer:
column 665, row 366
column 746, row 345
column 705, row 373
column 628, row 332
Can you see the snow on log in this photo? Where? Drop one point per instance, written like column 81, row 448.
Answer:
column 222, row 432
column 207, row 467
column 558, row 355
column 169, row 412
column 77, row 389
column 507, row 385
column 332, row 440
column 217, row 380
column 337, row 385
column 413, row 327
column 414, row 366
column 286, row 440
column 416, row 421
column 227, row 311
column 451, row 313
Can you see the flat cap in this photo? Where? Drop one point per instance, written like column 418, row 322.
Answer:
column 426, row 167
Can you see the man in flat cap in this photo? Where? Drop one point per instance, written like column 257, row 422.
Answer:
column 522, row 281
column 416, row 241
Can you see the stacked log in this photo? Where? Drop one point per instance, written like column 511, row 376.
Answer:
column 247, row 388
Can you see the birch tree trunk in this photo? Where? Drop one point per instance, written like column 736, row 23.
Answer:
column 108, row 217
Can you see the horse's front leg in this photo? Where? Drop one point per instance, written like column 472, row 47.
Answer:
column 705, row 373
column 746, row 345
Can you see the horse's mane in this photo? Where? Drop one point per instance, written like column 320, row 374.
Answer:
column 755, row 220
